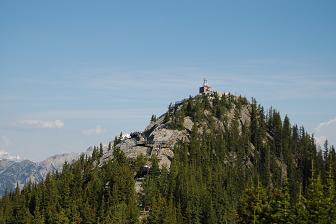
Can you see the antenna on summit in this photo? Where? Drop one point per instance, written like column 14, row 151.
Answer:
column 206, row 87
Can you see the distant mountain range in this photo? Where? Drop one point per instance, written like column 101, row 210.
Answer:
column 23, row 171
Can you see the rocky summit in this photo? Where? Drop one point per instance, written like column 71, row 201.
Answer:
column 160, row 136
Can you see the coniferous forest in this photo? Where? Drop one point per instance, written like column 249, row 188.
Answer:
column 265, row 170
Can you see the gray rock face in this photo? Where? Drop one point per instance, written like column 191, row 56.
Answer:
column 4, row 163
column 160, row 138
column 20, row 172
column 159, row 141
column 56, row 162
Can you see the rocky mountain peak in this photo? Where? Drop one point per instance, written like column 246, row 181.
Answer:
column 201, row 111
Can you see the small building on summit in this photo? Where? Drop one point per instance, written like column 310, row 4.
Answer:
column 205, row 88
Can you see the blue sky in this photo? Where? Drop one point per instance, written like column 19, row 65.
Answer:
column 74, row 73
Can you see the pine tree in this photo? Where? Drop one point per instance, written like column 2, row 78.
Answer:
column 330, row 197
column 117, row 214
column 101, row 150
column 286, row 135
column 300, row 213
column 155, row 170
column 254, row 124
column 153, row 118
column 316, row 205
column 280, row 205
